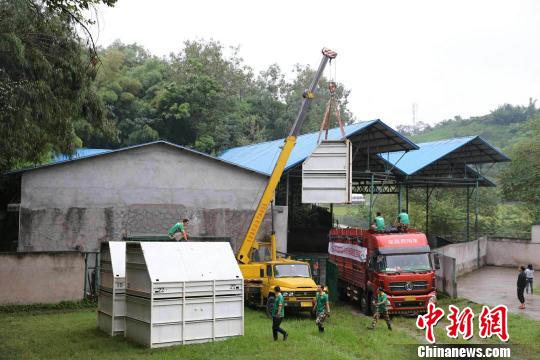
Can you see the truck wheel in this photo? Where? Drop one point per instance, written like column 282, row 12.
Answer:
column 270, row 305
column 365, row 303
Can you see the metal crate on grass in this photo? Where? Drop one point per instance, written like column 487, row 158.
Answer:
column 182, row 292
column 112, row 287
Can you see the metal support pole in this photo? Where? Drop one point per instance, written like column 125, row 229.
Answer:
column 332, row 214
column 400, row 198
column 427, row 210
column 407, row 199
column 370, row 200
column 85, row 273
column 476, row 224
column 467, row 220
column 97, row 274
column 287, row 191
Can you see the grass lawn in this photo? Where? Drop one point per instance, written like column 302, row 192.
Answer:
column 74, row 335
column 524, row 332
column 63, row 334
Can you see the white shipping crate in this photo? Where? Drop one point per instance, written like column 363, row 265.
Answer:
column 327, row 174
column 177, row 309
column 180, row 333
column 112, row 297
column 182, row 292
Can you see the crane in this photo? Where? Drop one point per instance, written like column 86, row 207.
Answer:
column 292, row 276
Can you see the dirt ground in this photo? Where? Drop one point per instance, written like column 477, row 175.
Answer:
column 492, row 285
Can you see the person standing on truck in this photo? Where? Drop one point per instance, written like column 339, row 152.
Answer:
column 178, row 232
column 529, row 274
column 381, row 309
column 521, row 284
column 321, row 307
column 378, row 223
column 402, row 221
column 278, row 313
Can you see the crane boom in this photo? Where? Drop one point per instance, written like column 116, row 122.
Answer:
column 244, row 254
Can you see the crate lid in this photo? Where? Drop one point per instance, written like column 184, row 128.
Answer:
column 190, row 261
column 118, row 258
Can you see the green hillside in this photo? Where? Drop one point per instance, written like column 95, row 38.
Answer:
column 501, row 127
column 514, row 204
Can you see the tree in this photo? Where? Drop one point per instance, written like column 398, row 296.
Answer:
column 203, row 96
column 520, row 178
column 127, row 82
column 45, row 81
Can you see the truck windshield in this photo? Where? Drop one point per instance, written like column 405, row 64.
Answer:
column 405, row 263
column 291, row 270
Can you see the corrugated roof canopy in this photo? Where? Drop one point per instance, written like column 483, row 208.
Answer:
column 445, row 157
column 445, row 162
column 369, row 137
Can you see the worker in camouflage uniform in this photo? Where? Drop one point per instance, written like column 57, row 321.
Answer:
column 381, row 309
column 178, row 231
column 321, row 307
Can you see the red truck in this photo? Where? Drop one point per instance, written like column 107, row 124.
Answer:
column 401, row 263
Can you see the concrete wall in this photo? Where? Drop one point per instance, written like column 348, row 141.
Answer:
column 77, row 205
column 446, row 276
column 29, row 278
column 535, row 234
column 513, row 253
column 466, row 255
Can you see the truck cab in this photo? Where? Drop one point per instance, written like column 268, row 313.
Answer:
column 293, row 277
column 399, row 262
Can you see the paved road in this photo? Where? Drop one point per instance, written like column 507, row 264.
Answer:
column 493, row 285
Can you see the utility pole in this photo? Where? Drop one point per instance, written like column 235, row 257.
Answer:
column 414, row 113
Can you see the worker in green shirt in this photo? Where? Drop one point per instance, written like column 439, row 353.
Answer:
column 378, row 223
column 381, row 309
column 321, row 307
column 178, row 231
column 278, row 313
column 402, row 221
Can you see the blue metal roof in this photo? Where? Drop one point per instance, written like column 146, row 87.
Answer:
column 262, row 157
column 429, row 152
column 85, row 153
column 79, row 153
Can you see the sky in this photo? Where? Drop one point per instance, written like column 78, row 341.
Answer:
column 449, row 57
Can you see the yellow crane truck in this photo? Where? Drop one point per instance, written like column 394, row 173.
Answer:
column 262, row 275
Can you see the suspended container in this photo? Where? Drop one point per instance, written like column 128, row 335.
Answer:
column 112, row 288
column 182, row 293
column 327, row 174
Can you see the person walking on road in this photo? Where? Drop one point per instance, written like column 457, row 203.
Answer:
column 381, row 309
column 321, row 307
column 178, row 232
column 521, row 284
column 278, row 313
column 529, row 274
